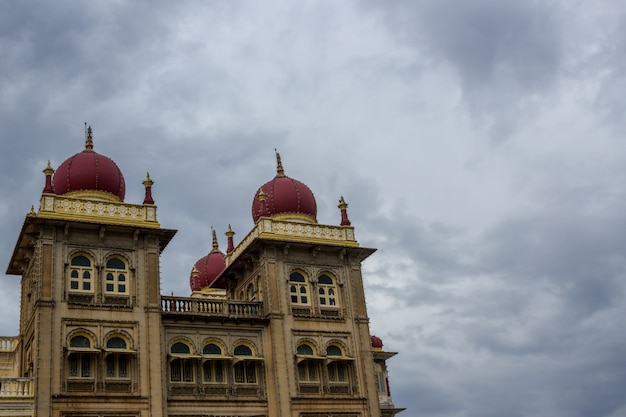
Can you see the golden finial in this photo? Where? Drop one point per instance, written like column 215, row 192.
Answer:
column 48, row 170
column 215, row 244
column 342, row 204
column 89, row 140
column 148, row 181
column 280, row 172
column 229, row 234
column 32, row 211
column 229, row 231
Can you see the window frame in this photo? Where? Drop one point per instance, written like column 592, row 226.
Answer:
column 81, row 270
column 299, row 289
column 324, row 298
column 116, row 277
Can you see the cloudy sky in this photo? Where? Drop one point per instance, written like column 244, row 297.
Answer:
column 479, row 143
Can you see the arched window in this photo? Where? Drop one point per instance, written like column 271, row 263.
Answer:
column 245, row 365
column 308, row 368
column 117, row 359
column 81, row 274
column 116, row 277
column 181, row 364
column 298, row 289
column 250, row 291
column 81, row 357
column 338, row 368
column 213, row 367
column 327, row 291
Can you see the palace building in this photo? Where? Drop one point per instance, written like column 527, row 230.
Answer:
column 275, row 326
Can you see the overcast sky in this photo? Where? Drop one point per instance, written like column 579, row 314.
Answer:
column 479, row 144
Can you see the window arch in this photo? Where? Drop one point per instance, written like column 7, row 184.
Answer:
column 181, row 363
column 213, row 369
column 118, row 358
column 81, row 357
column 298, row 289
column 338, row 367
column 327, row 291
column 245, row 365
column 308, row 366
column 81, row 273
column 116, row 276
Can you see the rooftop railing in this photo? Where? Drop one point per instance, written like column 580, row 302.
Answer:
column 212, row 308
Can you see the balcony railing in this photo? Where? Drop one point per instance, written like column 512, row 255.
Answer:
column 213, row 308
column 16, row 388
column 8, row 344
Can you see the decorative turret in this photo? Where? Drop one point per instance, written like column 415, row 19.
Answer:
column 284, row 198
column 207, row 268
column 90, row 173
column 230, row 234
column 148, row 183
column 343, row 206
column 48, row 171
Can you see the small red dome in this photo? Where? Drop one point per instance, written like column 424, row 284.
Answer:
column 88, row 170
column 284, row 195
column 377, row 342
column 207, row 268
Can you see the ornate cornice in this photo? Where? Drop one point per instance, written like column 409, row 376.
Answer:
column 96, row 210
column 273, row 229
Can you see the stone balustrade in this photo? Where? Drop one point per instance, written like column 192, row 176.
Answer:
column 8, row 344
column 207, row 307
column 16, row 388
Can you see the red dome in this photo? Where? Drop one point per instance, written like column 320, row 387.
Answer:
column 88, row 170
column 284, row 195
column 377, row 342
column 207, row 268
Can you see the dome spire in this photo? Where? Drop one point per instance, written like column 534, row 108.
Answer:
column 215, row 244
column 89, row 140
column 280, row 172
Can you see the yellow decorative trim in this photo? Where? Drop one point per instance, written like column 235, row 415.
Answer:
column 295, row 217
column 293, row 231
column 98, row 211
column 93, row 195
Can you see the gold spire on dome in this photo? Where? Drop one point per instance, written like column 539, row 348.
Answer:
column 215, row 244
column 280, row 172
column 89, row 140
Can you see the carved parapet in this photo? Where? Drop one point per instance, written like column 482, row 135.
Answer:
column 272, row 229
column 96, row 210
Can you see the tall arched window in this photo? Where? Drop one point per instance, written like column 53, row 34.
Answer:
column 308, row 365
column 117, row 359
column 298, row 289
column 245, row 365
column 81, row 274
column 327, row 291
column 81, row 357
column 213, row 365
column 181, row 365
column 116, row 277
column 338, row 365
